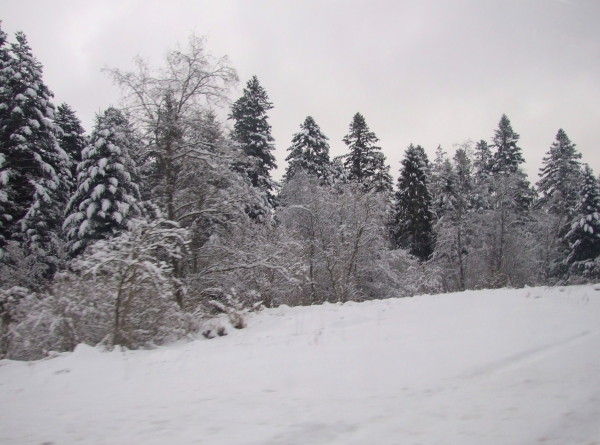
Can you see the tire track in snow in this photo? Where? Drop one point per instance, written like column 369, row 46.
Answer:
column 527, row 356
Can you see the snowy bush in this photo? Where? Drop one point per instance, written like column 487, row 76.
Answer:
column 136, row 268
column 242, row 268
column 121, row 291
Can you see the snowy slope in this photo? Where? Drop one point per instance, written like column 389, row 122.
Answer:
column 487, row 367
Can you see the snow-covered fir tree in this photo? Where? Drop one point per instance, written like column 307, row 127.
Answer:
column 508, row 156
column 107, row 194
column 464, row 173
column 482, row 162
column 412, row 217
column 36, row 170
column 584, row 236
column 338, row 173
column 506, row 161
column 434, row 171
column 560, row 177
column 71, row 137
column 366, row 163
column 454, row 229
column 309, row 151
column 441, row 182
column 5, row 216
column 252, row 133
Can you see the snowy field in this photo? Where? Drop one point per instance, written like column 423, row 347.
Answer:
column 488, row 367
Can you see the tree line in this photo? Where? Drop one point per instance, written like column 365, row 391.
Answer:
column 164, row 221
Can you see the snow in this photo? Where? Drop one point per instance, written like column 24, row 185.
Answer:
column 479, row 367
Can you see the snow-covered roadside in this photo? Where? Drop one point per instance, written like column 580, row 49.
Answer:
column 494, row 367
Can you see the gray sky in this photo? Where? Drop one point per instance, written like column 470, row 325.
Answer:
column 427, row 72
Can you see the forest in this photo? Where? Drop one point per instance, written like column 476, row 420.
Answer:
column 164, row 221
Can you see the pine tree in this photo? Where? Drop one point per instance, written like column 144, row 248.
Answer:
column 412, row 218
column 507, row 157
column 454, row 229
column 560, row 177
column 506, row 162
column 366, row 163
column 584, row 236
column 464, row 182
column 71, row 138
column 483, row 159
column 107, row 194
column 5, row 63
column 36, row 168
column 309, row 151
column 441, row 182
column 252, row 133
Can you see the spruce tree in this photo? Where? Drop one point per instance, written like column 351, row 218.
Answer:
column 5, row 191
column 107, row 192
column 366, row 163
column 252, row 133
column 412, row 217
column 463, row 167
column 309, row 151
column 453, row 228
column 36, row 170
column 441, row 181
column 584, row 236
column 506, row 162
column 71, row 136
column 507, row 157
column 560, row 177
column 483, row 159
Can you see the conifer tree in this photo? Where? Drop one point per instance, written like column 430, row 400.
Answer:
column 506, row 161
column 560, row 177
column 107, row 194
column 412, row 218
column 36, row 170
column 441, row 182
column 252, row 133
column 584, row 236
column 464, row 173
column 483, row 159
column 453, row 228
column 507, row 157
column 71, row 138
column 309, row 151
column 366, row 163
column 5, row 216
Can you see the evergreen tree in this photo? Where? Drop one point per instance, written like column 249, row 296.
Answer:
column 36, row 170
column 5, row 63
column 434, row 172
column 464, row 178
column 252, row 133
column 454, row 227
column 71, row 138
column 412, row 218
column 337, row 173
column 506, row 161
column 366, row 163
column 483, row 159
column 507, row 157
column 560, row 177
column 107, row 194
column 441, row 182
column 309, row 151
column 584, row 236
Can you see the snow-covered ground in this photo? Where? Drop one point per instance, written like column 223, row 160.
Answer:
column 488, row 367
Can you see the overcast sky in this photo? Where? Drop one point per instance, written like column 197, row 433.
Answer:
column 426, row 72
